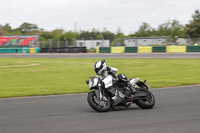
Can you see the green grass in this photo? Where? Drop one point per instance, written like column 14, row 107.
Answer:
column 45, row 76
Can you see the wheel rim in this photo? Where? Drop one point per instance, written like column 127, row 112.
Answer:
column 101, row 103
column 148, row 97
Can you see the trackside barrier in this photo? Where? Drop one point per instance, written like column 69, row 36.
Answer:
column 145, row 49
column 158, row 49
column 37, row 50
column 117, row 49
column 31, row 50
column 104, row 49
column 25, row 50
column 11, row 50
column 175, row 49
column 8, row 50
column 64, row 50
column 97, row 50
column 140, row 49
column 2, row 50
column 131, row 49
column 20, row 50
column 43, row 50
column 193, row 48
column 148, row 49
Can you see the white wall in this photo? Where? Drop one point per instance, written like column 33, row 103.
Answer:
column 143, row 41
column 182, row 41
column 92, row 43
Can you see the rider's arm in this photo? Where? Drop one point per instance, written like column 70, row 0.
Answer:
column 111, row 69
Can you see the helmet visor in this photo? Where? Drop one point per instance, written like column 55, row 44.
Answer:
column 99, row 70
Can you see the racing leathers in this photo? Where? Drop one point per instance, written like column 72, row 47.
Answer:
column 108, row 71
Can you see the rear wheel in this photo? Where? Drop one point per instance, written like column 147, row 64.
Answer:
column 148, row 102
column 98, row 105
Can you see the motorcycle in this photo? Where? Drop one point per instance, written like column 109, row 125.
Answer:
column 111, row 93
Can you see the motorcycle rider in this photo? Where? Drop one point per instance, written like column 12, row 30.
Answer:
column 102, row 71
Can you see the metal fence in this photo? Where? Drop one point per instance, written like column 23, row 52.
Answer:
column 89, row 44
column 76, row 43
column 56, row 44
column 127, row 43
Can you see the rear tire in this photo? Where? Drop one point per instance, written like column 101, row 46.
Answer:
column 100, row 106
column 146, row 103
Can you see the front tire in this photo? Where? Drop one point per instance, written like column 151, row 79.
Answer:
column 98, row 105
column 148, row 102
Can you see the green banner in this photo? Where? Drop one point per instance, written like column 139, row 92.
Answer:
column 159, row 49
column 193, row 48
column 104, row 49
column 131, row 49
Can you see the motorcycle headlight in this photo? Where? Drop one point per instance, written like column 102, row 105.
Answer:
column 135, row 80
column 90, row 83
column 93, row 81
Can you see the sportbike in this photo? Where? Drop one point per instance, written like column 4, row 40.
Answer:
column 110, row 93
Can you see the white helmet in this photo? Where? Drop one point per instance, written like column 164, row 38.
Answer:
column 100, row 67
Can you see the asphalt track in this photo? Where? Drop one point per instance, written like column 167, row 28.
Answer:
column 187, row 55
column 177, row 110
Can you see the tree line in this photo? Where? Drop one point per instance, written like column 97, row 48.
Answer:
column 173, row 29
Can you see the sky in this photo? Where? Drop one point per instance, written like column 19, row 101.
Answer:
column 98, row 14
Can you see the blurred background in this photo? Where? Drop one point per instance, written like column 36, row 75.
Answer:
column 92, row 24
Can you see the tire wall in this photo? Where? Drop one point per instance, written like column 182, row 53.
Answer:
column 117, row 49
column 131, row 49
column 193, row 48
column 149, row 49
column 140, row 49
column 17, row 50
column 104, row 50
column 146, row 49
column 44, row 50
column 175, row 49
column 159, row 49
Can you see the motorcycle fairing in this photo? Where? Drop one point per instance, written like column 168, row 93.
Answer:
column 93, row 81
column 108, row 81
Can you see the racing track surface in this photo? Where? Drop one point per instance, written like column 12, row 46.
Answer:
column 177, row 110
column 194, row 55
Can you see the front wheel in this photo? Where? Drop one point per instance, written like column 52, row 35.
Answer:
column 148, row 102
column 98, row 105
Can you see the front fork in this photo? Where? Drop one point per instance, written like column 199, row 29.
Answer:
column 98, row 92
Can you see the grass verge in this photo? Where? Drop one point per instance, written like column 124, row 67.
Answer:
column 46, row 76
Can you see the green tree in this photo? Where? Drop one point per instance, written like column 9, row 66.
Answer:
column 6, row 29
column 94, row 34
column 119, row 38
column 193, row 28
column 69, row 36
column 27, row 27
column 16, row 31
column 46, row 36
column 144, row 30
column 164, row 29
column 171, row 28
column 177, row 28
